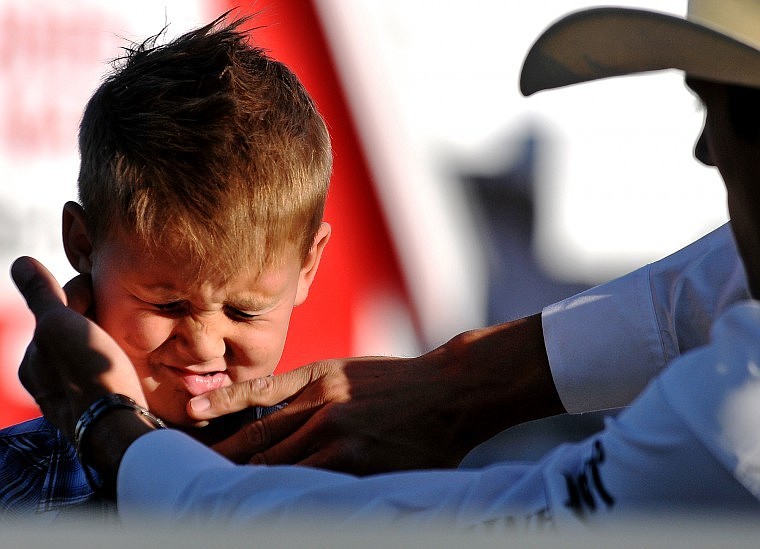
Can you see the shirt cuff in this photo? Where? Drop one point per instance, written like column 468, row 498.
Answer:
column 604, row 344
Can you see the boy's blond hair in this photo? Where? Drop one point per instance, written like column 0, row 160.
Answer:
column 208, row 146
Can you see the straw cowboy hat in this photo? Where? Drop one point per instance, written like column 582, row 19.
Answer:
column 718, row 40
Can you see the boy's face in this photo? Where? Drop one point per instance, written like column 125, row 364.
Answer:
column 736, row 158
column 185, row 338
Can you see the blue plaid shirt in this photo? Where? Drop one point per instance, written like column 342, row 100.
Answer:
column 41, row 477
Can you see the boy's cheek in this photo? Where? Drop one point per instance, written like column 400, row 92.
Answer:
column 254, row 361
column 141, row 334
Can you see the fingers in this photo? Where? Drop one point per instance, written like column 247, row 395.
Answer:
column 264, row 391
column 315, row 393
column 342, row 454
column 248, row 441
column 258, row 436
column 79, row 294
column 27, row 378
column 254, row 392
column 56, row 325
column 291, row 450
column 38, row 287
column 342, row 457
column 69, row 355
column 45, row 299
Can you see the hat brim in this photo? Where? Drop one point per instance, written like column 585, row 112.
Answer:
column 604, row 42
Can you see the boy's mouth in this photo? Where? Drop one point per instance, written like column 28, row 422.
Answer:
column 197, row 384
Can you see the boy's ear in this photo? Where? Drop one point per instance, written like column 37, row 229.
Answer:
column 311, row 262
column 76, row 238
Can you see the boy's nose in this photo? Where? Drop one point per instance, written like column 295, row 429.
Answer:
column 201, row 341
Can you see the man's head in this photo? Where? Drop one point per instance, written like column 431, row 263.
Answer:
column 204, row 174
column 730, row 141
column 717, row 46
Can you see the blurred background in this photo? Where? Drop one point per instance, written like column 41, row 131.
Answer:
column 455, row 201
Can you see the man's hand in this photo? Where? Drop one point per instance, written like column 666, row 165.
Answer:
column 368, row 415
column 343, row 414
column 79, row 296
column 71, row 361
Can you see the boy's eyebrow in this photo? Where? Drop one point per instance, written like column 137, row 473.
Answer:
column 250, row 303
column 162, row 289
column 253, row 301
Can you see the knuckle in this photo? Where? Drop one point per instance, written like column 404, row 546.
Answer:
column 240, row 395
column 258, row 459
column 258, row 434
column 327, row 369
column 223, row 398
column 251, row 392
column 336, row 389
column 263, row 387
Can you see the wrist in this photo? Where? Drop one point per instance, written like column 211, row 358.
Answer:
column 105, row 431
column 503, row 378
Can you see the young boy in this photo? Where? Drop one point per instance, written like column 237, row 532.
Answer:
column 204, row 173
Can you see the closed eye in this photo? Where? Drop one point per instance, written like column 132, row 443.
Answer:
column 238, row 315
column 172, row 308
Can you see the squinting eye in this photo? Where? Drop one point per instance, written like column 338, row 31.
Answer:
column 174, row 307
column 237, row 314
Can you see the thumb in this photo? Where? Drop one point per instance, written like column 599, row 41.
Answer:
column 37, row 285
column 263, row 391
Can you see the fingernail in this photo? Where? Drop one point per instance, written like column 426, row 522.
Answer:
column 200, row 404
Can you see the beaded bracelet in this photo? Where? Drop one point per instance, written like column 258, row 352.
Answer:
column 98, row 408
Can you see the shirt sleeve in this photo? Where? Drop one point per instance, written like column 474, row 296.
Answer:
column 166, row 475
column 691, row 441
column 605, row 344
column 715, row 390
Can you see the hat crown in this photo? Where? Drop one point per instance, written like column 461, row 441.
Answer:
column 739, row 19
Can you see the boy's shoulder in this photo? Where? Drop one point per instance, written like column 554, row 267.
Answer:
column 39, row 470
column 32, row 441
column 37, row 427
